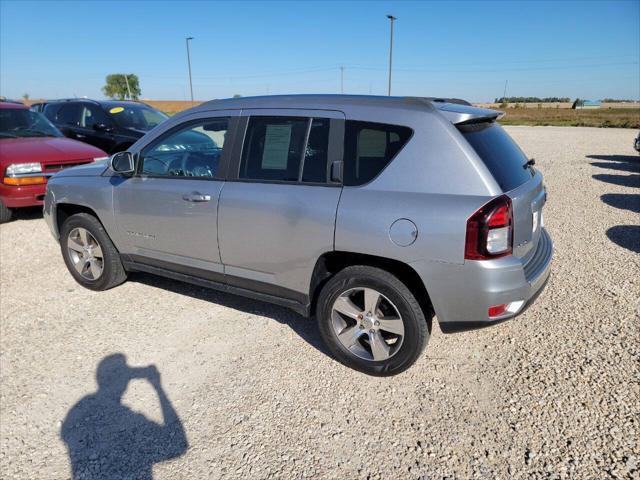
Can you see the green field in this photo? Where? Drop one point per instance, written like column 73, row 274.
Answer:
column 565, row 117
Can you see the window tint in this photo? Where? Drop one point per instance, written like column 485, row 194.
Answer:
column 69, row 115
column 50, row 111
column 317, row 152
column 500, row 154
column 91, row 115
column 25, row 123
column 193, row 151
column 139, row 117
column 368, row 149
column 273, row 148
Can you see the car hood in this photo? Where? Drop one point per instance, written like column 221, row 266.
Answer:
column 94, row 169
column 45, row 150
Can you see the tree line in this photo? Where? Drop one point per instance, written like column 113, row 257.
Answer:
column 532, row 100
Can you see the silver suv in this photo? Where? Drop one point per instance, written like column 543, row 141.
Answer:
column 372, row 213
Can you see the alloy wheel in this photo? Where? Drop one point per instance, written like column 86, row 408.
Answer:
column 367, row 324
column 85, row 253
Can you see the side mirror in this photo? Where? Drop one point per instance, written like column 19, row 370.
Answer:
column 102, row 127
column 123, row 163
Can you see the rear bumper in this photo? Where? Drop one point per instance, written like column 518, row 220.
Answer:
column 462, row 294
column 26, row 196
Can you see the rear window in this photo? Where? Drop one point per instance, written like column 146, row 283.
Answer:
column 500, row 154
column 368, row 149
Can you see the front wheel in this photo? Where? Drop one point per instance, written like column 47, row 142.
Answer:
column 371, row 321
column 5, row 213
column 89, row 254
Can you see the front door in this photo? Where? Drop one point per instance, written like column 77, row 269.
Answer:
column 167, row 212
column 277, row 212
column 95, row 128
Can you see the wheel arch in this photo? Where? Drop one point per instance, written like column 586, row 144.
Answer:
column 65, row 210
column 330, row 263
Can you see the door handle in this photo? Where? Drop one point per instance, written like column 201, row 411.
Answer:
column 196, row 197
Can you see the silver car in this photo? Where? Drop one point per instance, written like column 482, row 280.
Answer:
column 373, row 214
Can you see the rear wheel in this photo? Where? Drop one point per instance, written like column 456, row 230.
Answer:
column 5, row 213
column 89, row 254
column 371, row 321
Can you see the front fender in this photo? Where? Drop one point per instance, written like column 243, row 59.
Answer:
column 90, row 193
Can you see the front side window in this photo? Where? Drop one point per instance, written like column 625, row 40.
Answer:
column 369, row 148
column 192, row 151
column 286, row 149
column 92, row 115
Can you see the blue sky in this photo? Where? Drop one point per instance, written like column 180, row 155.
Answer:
column 584, row 49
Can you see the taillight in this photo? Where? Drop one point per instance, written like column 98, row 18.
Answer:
column 490, row 231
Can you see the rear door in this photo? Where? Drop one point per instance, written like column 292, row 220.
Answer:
column 521, row 182
column 278, row 209
column 67, row 118
column 167, row 213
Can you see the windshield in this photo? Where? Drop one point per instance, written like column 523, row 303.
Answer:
column 16, row 123
column 138, row 117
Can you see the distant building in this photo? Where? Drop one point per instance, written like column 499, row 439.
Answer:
column 580, row 104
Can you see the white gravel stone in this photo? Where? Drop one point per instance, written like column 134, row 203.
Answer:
column 258, row 397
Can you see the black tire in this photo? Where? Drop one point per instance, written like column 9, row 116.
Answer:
column 113, row 273
column 416, row 327
column 5, row 213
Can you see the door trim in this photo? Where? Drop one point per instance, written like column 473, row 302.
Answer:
column 217, row 281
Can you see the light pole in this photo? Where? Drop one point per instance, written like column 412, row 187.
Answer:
column 126, row 80
column 391, row 20
column 189, row 64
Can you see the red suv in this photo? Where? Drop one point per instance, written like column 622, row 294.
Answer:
column 32, row 150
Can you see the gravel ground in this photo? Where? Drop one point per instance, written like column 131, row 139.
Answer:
column 248, row 390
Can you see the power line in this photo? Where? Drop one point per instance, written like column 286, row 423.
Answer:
column 496, row 70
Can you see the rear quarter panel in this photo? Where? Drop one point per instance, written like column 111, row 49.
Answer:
column 434, row 181
column 437, row 181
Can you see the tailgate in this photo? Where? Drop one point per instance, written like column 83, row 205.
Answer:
column 527, row 200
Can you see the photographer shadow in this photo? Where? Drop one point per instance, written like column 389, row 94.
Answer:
column 306, row 329
column 107, row 440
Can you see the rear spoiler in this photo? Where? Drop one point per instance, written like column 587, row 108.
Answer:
column 458, row 111
column 459, row 114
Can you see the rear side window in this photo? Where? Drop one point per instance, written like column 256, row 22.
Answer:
column 286, row 149
column 500, row 154
column 69, row 114
column 369, row 148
